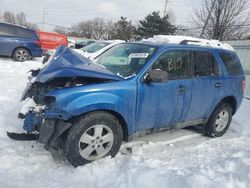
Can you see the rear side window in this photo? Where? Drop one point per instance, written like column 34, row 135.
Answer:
column 204, row 64
column 7, row 30
column 232, row 63
column 176, row 63
column 21, row 32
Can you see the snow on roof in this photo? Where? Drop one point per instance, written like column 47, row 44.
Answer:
column 176, row 39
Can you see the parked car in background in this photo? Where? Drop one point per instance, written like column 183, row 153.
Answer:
column 19, row 42
column 83, row 43
column 50, row 41
column 71, row 43
column 93, row 50
column 88, row 109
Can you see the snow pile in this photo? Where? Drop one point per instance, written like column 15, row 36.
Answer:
column 241, row 120
column 176, row 39
column 175, row 159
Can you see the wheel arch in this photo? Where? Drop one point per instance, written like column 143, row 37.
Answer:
column 117, row 115
column 13, row 51
column 230, row 100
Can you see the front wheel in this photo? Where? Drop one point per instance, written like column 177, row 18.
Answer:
column 220, row 121
column 92, row 137
column 21, row 54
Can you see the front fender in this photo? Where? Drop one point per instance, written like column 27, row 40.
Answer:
column 118, row 97
column 96, row 101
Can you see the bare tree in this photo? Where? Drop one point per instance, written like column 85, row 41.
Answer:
column 227, row 20
column 97, row 28
column 82, row 29
column 61, row 30
column 19, row 18
column 110, row 30
column 9, row 17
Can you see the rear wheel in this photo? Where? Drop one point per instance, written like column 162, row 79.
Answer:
column 92, row 137
column 220, row 121
column 21, row 54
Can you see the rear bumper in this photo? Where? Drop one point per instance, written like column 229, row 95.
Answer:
column 37, row 52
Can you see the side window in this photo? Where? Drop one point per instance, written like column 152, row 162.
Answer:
column 21, row 32
column 205, row 64
column 176, row 63
column 232, row 63
column 7, row 30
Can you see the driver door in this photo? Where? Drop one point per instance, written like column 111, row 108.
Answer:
column 165, row 104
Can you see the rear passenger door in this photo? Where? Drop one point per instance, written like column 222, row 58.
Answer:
column 206, row 86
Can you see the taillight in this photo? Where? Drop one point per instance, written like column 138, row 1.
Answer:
column 38, row 42
column 243, row 86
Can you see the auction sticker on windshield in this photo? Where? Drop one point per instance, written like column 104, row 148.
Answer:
column 138, row 55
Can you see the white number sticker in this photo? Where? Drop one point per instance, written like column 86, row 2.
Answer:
column 138, row 55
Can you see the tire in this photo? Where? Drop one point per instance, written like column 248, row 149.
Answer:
column 21, row 54
column 219, row 121
column 92, row 137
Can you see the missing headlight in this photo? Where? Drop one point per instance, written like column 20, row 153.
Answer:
column 49, row 100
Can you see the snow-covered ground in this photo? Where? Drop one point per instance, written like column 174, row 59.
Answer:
column 181, row 158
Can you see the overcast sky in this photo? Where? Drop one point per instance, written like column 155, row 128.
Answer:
column 68, row 12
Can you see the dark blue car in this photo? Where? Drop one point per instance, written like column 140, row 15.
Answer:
column 88, row 108
column 19, row 42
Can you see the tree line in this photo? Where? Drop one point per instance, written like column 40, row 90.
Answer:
column 214, row 19
column 19, row 18
column 124, row 29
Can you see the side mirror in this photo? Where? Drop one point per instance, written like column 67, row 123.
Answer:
column 157, row 75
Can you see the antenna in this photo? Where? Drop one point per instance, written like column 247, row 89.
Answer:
column 165, row 8
column 44, row 10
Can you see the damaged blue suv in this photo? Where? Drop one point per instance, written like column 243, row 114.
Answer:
column 88, row 108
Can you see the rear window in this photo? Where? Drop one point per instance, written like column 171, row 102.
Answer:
column 94, row 47
column 204, row 64
column 232, row 63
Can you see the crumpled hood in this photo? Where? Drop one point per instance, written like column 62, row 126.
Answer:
column 67, row 63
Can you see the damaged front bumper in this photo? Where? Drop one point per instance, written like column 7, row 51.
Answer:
column 50, row 123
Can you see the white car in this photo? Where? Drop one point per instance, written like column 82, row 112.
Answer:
column 71, row 43
column 95, row 49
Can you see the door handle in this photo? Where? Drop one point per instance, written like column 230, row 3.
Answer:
column 218, row 84
column 182, row 89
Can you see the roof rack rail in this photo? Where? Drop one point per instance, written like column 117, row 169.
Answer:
column 184, row 40
column 187, row 41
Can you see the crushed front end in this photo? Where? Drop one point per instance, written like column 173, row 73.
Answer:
column 65, row 69
column 40, row 117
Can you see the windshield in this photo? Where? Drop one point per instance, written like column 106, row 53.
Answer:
column 94, row 47
column 126, row 59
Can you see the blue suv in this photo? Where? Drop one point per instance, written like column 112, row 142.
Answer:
column 88, row 109
column 19, row 42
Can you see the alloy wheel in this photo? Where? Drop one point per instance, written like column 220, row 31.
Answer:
column 96, row 142
column 221, row 120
